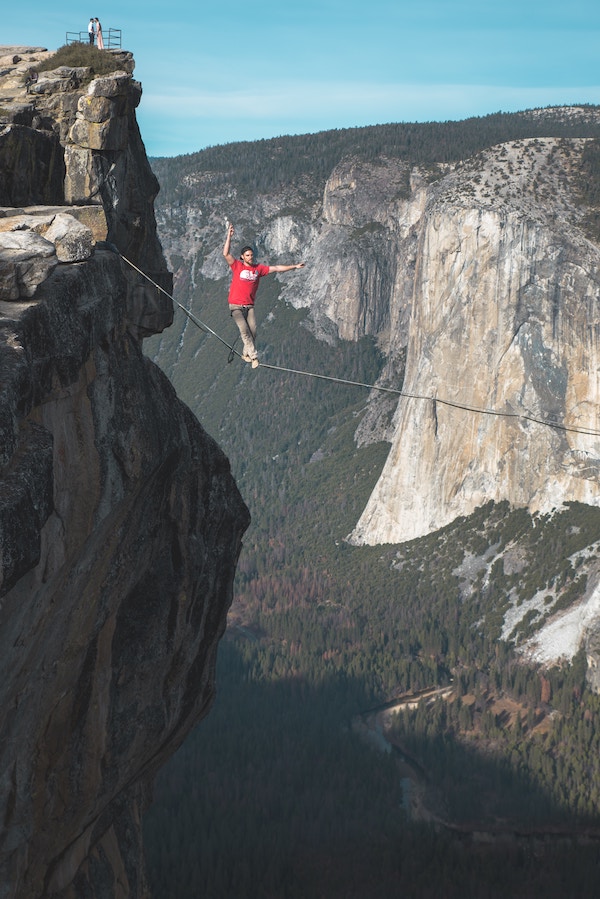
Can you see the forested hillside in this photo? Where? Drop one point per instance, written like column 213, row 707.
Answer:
column 307, row 160
column 280, row 792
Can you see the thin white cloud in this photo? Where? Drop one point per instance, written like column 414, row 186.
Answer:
column 298, row 100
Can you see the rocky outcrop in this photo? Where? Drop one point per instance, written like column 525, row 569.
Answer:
column 504, row 312
column 120, row 523
column 72, row 139
column 359, row 272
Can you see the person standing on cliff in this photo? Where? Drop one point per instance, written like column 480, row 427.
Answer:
column 242, row 291
column 91, row 31
column 99, row 36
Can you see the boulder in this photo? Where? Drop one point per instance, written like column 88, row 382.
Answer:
column 72, row 240
column 24, row 222
column 110, row 85
column 64, row 78
column 93, row 217
column 26, row 259
column 39, row 218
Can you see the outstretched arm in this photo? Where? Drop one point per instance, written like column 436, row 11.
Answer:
column 285, row 268
column 227, row 246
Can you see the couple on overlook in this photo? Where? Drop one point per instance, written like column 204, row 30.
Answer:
column 244, row 284
column 95, row 31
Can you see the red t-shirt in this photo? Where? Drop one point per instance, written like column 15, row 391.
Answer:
column 244, row 283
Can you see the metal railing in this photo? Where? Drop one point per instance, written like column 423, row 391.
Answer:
column 112, row 38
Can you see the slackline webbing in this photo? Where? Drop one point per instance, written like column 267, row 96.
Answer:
column 589, row 432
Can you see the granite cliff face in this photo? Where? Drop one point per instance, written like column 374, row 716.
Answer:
column 481, row 286
column 120, row 524
column 503, row 317
column 480, row 281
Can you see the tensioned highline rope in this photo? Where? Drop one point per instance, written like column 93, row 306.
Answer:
column 190, row 315
column 589, row 432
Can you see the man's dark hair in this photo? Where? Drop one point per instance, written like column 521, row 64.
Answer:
column 243, row 250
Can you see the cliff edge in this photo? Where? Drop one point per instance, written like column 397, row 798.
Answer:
column 120, row 523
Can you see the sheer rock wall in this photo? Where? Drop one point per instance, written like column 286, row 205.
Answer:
column 504, row 316
column 481, row 287
column 120, row 523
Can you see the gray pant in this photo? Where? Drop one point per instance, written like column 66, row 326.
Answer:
column 245, row 319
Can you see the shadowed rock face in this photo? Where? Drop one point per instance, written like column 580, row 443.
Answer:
column 120, row 528
column 32, row 168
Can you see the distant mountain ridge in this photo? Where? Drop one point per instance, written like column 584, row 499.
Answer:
column 307, row 160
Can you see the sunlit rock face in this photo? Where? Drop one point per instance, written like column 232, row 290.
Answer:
column 120, row 524
column 504, row 318
column 480, row 285
column 483, row 280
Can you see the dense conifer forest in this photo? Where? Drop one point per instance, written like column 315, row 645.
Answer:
column 308, row 159
column 487, row 787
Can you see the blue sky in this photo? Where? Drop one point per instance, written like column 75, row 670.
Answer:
column 216, row 73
